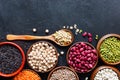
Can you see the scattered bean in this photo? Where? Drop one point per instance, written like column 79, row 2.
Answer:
column 47, row 31
column 34, row 30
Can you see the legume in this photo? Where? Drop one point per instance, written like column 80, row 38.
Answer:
column 27, row 75
column 110, row 50
column 10, row 59
column 82, row 57
column 106, row 74
column 63, row 37
column 42, row 57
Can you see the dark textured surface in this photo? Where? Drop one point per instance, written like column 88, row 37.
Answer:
column 95, row 16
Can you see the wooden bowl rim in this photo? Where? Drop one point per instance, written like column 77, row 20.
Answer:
column 23, row 59
column 87, row 44
column 29, row 50
column 100, row 42
column 104, row 67
column 62, row 67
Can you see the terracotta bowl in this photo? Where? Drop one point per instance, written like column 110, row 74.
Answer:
column 99, row 44
column 30, row 71
column 104, row 67
column 67, row 56
column 23, row 59
column 62, row 67
column 29, row 50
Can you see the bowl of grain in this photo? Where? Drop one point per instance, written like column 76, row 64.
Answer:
column 12, row 59
column 63, row 73
column 108, row 49
column 42, row 56
column 105, row 73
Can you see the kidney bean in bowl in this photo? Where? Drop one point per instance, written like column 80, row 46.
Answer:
column 82, row 57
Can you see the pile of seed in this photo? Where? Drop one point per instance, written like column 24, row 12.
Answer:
column 63, row 37
column 42, row 57
column 110, row 50
column 10, row 59
column 106, row 74
column 63, row 74
column 27, row 75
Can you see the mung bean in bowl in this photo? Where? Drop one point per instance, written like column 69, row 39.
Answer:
column 63, row 73
column 42, row 56
column 108, row 48
column 105, row 73
column 12, row 59
column 82, row 57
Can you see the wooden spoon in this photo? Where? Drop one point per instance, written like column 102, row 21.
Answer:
column 31, row 37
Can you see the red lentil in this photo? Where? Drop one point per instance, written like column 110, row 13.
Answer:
column 27, row 75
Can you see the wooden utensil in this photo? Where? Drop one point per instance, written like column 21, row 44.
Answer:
column 30, row 37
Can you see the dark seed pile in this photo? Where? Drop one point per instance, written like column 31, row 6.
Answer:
column 10, row 59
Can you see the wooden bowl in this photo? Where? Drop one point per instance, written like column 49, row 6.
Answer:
column 67, row 56
column 99, row 44
column 29, row 71
column 22, row 63
column 62, row 67
column 29, row 50
column 104, row 67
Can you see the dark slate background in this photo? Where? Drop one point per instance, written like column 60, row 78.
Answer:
column 95, row 16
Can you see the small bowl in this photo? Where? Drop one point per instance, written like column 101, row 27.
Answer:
column 99, row 44
column 62, row 67
column 22, row 63
column 104, row 67
column 29, row 71
column 29, row 50
column 67, row 56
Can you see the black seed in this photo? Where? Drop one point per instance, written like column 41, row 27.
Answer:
column 10, row 59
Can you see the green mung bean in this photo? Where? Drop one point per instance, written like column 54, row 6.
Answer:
column 110, row 50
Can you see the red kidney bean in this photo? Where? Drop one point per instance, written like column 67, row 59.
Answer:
column 82, row 57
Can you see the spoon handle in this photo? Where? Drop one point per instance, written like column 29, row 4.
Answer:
column 26, row 37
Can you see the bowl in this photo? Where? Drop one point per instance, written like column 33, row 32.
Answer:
column 99, row 44
column 30, row 49
column 104, row 67
column 62, row 67
column 22, row 63
column 80, row 61
column 21, row 75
